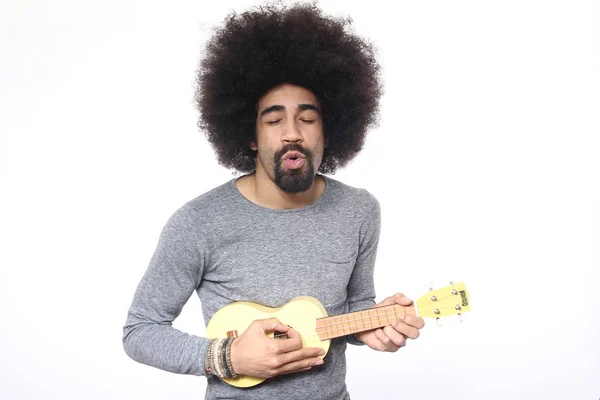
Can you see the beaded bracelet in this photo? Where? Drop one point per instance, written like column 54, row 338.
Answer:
column 218, row 358
column 208, row 359
column 229, row 363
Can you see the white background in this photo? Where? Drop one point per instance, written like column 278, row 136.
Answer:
column 485, row 165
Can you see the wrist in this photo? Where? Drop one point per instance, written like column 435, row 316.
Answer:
column 218, row 358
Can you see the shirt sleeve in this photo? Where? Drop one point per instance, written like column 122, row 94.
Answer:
column 361, row 288
column 173, row 274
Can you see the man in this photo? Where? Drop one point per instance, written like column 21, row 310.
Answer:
column 284, row 93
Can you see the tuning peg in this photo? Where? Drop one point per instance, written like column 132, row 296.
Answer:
column 431, row 286
column 460, row 317
column 438, row 322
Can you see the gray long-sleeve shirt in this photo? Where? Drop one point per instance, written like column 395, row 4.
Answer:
column 227, row 249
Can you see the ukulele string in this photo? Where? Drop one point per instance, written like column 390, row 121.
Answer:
column 369, row 320
column 435, row 304
column 372, row 320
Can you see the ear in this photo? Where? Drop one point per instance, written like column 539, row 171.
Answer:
column 253, row 146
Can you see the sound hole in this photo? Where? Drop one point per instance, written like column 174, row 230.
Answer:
column 281, row 335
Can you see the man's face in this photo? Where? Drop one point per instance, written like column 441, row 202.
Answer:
column 289, row 137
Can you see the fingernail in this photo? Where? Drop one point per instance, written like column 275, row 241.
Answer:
column 322, row 352
column 319, row 362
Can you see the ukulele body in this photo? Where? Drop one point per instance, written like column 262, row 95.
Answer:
column 300, row 313
column 305, row 313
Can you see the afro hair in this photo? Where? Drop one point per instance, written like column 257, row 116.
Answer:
column 273, row 44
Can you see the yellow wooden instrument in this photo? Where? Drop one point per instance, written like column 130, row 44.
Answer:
column 308, row 316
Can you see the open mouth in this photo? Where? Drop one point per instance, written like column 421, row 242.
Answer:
column 293, row 163
column 293, row 160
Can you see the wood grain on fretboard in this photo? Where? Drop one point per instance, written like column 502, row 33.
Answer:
column 359, row 321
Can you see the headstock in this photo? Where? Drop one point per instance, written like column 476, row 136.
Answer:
column 450, row 300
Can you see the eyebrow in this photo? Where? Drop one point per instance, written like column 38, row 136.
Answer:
column 301, row 107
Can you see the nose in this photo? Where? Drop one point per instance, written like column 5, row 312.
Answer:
column 291, row 133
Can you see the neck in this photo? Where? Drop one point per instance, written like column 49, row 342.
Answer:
column 360, row 321
column 261, row 190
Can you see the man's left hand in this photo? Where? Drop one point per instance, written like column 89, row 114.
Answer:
column 392, row 337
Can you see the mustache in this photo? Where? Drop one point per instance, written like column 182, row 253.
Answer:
column 292, row 147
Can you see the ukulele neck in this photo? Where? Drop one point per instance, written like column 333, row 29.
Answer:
column 360, row 321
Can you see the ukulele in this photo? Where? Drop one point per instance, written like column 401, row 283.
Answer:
column 307, row 315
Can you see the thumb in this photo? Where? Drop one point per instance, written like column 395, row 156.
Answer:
column 398, row 298
column 272, row 324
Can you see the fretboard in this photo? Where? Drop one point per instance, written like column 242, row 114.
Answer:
column 347, row 324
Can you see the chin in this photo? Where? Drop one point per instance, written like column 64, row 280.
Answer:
column 294, row 183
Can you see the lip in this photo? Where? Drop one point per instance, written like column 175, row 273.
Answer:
column 294, row 164
column 292, row 154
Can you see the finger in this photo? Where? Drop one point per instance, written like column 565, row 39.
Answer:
column 288, row 345
column 396, row 337
column 297, row 366
column 271, row 325
column 302, row 354
column 398, row 298
column 295, row 344
column 415, row 321
column 388, row 301
column 386, row 343
column 293, row 334
column 401, row 299
column 406, row 330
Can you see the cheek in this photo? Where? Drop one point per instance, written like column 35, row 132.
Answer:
column 266, row 155
column 318, row 151
column 318, row 157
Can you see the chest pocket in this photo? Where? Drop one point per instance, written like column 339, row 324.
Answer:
column 333, row 270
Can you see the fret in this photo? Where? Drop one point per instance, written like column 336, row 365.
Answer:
column 390, row 319
column 381, row 317
column 352, row 318
column 348, row 318
column 367, row 319
column 321, row 329
column 336, row 324
column 359, row 321
column 336, row 327
column 386, row 318
column 360, row 326
column 317, row 327
column 373, row 318
column 330, row 327
column 362, row 321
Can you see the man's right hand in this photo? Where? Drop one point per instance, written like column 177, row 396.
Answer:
column 255, row 354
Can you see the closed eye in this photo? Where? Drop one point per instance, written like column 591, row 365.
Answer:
column 275, row 122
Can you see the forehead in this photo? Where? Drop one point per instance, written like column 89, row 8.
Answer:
column 287, row 95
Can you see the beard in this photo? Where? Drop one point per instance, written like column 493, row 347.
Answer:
column 294, row 180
